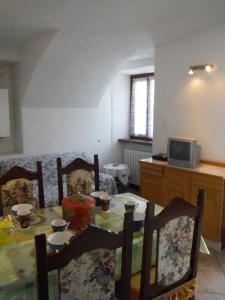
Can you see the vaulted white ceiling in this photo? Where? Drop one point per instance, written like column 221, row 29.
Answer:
column 71, row 49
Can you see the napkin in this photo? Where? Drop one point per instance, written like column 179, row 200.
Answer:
column 5, row 238
column 6, row 223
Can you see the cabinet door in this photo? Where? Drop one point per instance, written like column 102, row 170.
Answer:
column 176, row 184
column 152, row 185
column 213, row 208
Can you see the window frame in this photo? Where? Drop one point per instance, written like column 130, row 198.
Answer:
column 132, row 77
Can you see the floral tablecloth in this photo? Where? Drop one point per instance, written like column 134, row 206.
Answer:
column 17, row 257
column 120, row 171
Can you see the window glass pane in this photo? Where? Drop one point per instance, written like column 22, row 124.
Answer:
column 140, row 106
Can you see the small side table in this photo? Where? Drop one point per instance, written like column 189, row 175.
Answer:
column 120, row 172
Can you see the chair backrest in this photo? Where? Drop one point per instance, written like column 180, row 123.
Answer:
column 79, row 176
column 178, row 234
column 16, row 186
column 86, row 265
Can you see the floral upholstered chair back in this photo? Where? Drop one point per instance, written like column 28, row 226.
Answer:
column 15, row 192
column 174, row 252
column 90, row 277
column 79, row 181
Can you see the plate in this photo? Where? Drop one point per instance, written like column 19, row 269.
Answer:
column 99, row 194
column 17, row 207
column 105, row 211
column 36, row 219
column 120, row 200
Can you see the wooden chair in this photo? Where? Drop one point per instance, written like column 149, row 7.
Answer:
column 178, row 234
column 73, row 168
column 92, row 249
column 20, row 178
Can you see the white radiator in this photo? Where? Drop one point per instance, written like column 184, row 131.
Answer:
column 131, row 158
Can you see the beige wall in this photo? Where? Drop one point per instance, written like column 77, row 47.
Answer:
column 192, row 106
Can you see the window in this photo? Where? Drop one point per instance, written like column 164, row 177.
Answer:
column 142, row 104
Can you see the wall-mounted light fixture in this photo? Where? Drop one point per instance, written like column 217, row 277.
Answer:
column 208, row 68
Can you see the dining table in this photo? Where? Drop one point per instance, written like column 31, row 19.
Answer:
column 17, row 249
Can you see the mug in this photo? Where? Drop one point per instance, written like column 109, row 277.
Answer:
column 57, row 240
column 59, row 225
column 97, row 195
column 105, row 202
column 138, row 220
column 23, row 216
column 130, row 206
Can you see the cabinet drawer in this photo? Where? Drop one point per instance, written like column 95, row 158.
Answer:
column 208, row 181
column 179, row 175
column 152, row 170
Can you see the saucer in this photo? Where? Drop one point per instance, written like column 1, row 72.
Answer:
column 22, row 206
column 98, row 194
column 105, row 211
column 23, row 229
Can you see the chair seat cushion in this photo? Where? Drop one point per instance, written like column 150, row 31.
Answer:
column 17, row 191
column 90, row 277
column 79, row 181
column 175, row 245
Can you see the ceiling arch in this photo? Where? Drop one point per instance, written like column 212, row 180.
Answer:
column 70, row 50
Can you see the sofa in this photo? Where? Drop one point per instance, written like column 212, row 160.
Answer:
column 49, row 169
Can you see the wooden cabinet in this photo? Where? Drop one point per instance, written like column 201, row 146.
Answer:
column 151, row 184
column 213, row 210
column 176, row 183
column 161, row 182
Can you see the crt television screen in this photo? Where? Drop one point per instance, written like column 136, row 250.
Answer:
column 180, row 150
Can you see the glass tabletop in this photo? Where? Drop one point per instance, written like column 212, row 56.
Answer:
column 17, row 257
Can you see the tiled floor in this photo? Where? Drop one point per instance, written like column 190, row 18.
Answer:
column 211, row 276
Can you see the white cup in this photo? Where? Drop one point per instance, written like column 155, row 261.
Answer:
column 57, row 240
column 130, row 206
column 59, row 225
column 23, row 216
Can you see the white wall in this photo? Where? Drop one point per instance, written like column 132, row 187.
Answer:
column 96, row 130
column 51, row 126
column 42, row 129
column 8, row 54
column 49, row 130
column 187, row 105
column 120, row 90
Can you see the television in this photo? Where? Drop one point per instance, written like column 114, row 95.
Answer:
column 183, row 152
